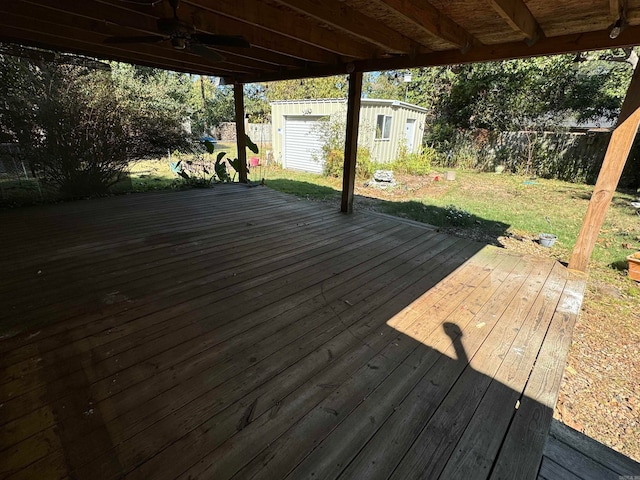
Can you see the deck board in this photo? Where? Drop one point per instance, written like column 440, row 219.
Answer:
column 573, row 455
column 242, row 333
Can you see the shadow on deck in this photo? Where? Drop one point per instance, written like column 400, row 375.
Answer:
column 570, row 455
column 244, row 333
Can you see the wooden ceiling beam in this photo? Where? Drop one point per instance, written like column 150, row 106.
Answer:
column 597, row 40
column 143, row 19
column 431, row 21
column 346, row 19
column 519, row 17
column 145, row 24
column 266, row 56
column 263, row 15
column 96, row 32
column 41, row 32
column 617, row 9
column 46, row 41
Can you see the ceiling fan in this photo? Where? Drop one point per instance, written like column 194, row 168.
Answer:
column 183, row 36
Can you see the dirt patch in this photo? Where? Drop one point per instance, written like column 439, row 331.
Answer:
column 600, row 392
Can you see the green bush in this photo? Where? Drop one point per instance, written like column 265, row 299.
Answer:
column 334, row 163
column 415, row 163
column 365, row 167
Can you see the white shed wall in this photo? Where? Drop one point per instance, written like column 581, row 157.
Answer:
column 382, row 149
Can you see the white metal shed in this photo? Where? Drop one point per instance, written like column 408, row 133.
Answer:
column 385, row 125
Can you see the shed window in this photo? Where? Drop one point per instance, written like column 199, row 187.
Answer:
column 383, row 127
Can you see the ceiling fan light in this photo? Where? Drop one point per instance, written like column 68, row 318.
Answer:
column 178, row 43
column 617, row 28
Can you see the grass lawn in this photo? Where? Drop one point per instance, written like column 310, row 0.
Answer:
column 156, row 173
column 601, row 392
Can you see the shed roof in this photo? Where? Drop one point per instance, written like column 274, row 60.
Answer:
column 363, row 101
column 302, row 38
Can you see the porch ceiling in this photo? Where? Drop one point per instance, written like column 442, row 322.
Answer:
column 292, row 39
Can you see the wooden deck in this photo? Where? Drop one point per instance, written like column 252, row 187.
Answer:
column 242, row 333
column 570, row 455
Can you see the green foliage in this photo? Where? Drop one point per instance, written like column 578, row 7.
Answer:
column 334, row 163
column 221, row 169
column 332, row 135
column 79, row 128
column 155, row 108
column 72, row 129
column 324, row 87
column 471, row 104
column 519, row 94
column 250, row 145
column 414, row 163
column 194, row 173
column 365, row 167
column 201, row 172
column 210, row 104
column 385, row 85
column 465, row 149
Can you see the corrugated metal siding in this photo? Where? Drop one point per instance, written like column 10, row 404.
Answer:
column 281, row 110
column 381, row 150
column 386, row 150
column 302, row 144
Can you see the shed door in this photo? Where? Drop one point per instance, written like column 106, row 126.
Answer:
column 410, row 133
column 302, row 144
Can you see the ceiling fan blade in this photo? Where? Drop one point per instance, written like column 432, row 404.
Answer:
column 220, row 40
column 206, row 52
column 138, row 39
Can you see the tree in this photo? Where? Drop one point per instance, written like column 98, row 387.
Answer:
column 79, row 127
column 324, row 87
column 210, row 104
column 385, row 85
column 155, row 108
column 512, row 94
column 256, row 103
column 70, row 127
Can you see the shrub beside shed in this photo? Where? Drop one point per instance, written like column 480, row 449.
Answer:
column 385, row 125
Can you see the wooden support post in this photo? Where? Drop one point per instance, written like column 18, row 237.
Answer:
column 351, row 141
column 614, row 160
column 238, row 96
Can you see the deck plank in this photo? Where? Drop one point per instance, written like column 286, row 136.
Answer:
column 147, row 365
column 244, row 333
column 571, row 451
column 579, row 465
column 503, row 358
column 386, row 450
column 336, row 340
column 336, row 405
column 409, row 362
column 478, row 446
column 550, row 470
column 298, row 271
column 531, row 422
